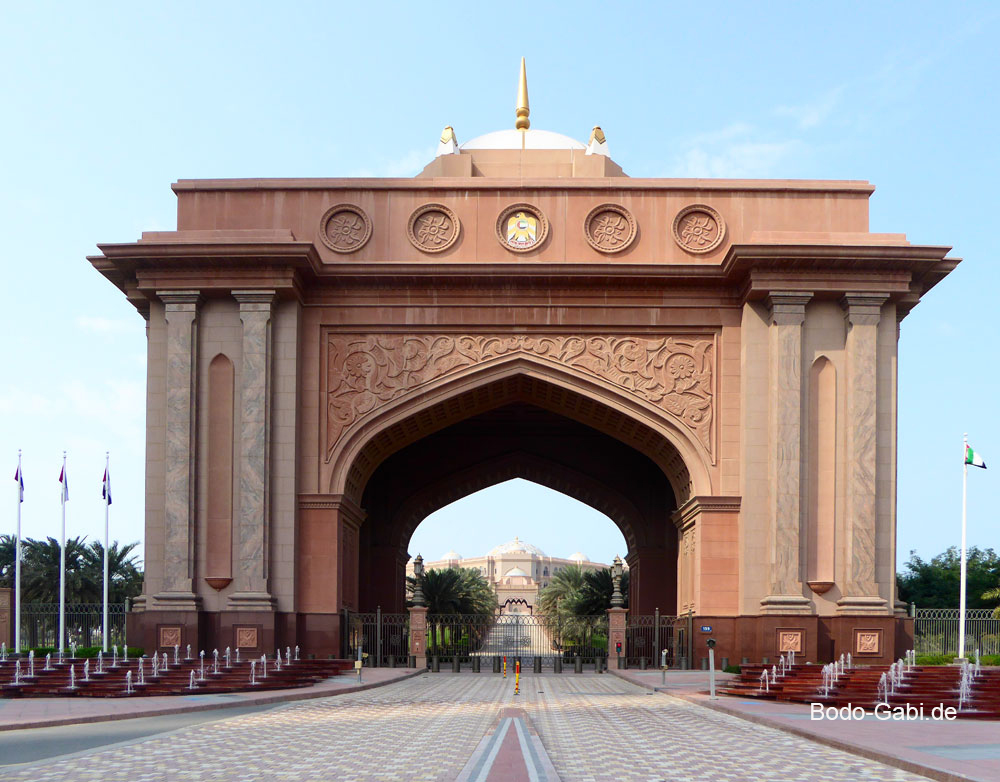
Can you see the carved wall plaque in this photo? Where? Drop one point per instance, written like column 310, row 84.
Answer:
column 698, row 228
column 609, row 228
column 169, row 636
column 246, row 637
column 673, row 373
column 433, row 228
column 790, row 641
column 345, row 228
column 522, row 228
column 868, row 642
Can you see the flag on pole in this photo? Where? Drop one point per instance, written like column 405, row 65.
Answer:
column 64, row 480
column 973, row 458
column 106, row 489
column 20, row 483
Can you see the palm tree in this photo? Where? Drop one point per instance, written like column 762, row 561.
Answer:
column 453, row 591
column 595, row 596
column 559, row 597
column 7, row 561
column 124, row 575
column 40, row 572
column 993, row 594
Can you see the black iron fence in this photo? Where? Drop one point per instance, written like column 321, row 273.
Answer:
column 647, row 637
column 935, row 631
column 84, row 624
column 384, row 639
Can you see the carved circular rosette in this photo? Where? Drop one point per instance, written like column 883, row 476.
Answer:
column 609, row 228
column 698, row 228
column 433, row 228
column 345, row 228
column 522, row 228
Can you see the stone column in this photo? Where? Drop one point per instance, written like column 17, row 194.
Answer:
column 862, row 313
column 254, row 441
column 788, row 311
column 178, row 539
column 616, row 635
column 418, row 635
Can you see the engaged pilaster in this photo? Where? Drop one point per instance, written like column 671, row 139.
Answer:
column 788, row 311
column 181, row 314
column 255, row 387
column 862, row 313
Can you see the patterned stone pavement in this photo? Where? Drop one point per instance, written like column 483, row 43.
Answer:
column 593, row 728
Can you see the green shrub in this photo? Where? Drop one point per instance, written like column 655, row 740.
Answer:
column 935, row 659
column 731, row 669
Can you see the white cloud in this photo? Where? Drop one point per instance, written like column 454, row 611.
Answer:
column 737, row 159
column 814, row 113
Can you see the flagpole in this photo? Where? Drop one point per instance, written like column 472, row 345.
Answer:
column 961, row 589
column 17, row 560
column 62, row 564
column 107, row 505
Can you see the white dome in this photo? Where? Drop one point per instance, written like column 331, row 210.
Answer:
column 516, row 571
column 517, row 546
column 450, row 556
column 533, row 139
column 579, row 556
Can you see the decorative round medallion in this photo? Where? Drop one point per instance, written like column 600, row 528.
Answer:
column 698, row 228
column 522, row 228
column 609, row 228
column 433, row 228
column 345, row 228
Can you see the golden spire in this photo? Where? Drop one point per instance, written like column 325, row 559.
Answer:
column 521, row 113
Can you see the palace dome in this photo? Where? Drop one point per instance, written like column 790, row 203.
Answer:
column 532, row 139
column 579, row 556
column 449, row 556
column 516, row 546
column 516, row 571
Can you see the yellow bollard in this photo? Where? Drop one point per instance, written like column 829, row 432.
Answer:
column 505, row 666
column 517, row 677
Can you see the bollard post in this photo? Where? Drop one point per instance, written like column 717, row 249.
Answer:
column 557, row 664
column 476, row 662
column 392, row 661
column 725, row 663
column 642, row 663
column 505, row 666
column 496, row 663
column 435, row 664
column 711, row 670
column 517, row 677
column 538, row 665
column 578, row 664
column 456, row 664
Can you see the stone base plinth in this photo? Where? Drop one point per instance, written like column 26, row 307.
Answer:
column 786, row 604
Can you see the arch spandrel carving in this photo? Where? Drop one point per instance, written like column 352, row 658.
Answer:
column 675, row 375
column 519, row 379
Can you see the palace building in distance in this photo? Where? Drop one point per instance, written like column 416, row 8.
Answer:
column 516, row 570
column 711, row 363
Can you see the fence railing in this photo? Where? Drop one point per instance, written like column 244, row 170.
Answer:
column 647, row 636
column 84, row 624
column 935, row 631
column 384, row 638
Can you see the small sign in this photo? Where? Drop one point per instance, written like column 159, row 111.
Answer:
column 357, row 665
column 706, row 628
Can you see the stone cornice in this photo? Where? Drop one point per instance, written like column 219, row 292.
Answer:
column 686, row 514
column 348, row 510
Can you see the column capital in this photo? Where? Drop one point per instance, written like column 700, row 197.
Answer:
column 261, row 300
column 788, row 308
column 863, row 309
column 180, row 301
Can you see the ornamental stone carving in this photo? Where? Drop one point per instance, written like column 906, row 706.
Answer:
column 345, row 228
column 609, row 228
column 790, row 641
column 433, row 228
column 522, row 228
column 698, row 228
column 867, row 642
column 673, row 373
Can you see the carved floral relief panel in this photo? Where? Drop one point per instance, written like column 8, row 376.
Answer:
column 675, row 374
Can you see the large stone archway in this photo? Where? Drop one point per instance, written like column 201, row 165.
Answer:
column 313, row 343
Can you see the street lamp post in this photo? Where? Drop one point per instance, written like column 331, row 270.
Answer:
column 617, row 601
column 418, row 577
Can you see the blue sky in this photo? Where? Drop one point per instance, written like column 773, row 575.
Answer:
column 104, row 105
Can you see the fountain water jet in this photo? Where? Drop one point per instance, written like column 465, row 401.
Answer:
column 48, row 662
column 228, row 658
column 191, row 682
column 296, row 653
column 86, row 670
column 263, row 666
column 142, row 675
column 215, row 662
column 201, row 660
column 253, row 672
column 128, row 682
column 72, row 677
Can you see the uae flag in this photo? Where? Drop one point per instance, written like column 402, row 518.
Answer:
column 20, row 483
column 64, row 480
column 973, row 458
column 106, row 490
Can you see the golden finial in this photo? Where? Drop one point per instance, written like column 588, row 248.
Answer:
column 521, row 113
column 597, row 135
column 448, row 134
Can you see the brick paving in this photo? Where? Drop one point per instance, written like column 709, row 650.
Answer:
column 427, row 728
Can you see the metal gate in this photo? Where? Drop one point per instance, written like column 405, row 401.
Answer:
column 648, row 636
column 384, row 639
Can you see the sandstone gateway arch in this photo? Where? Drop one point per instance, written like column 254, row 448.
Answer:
column 711, row 363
